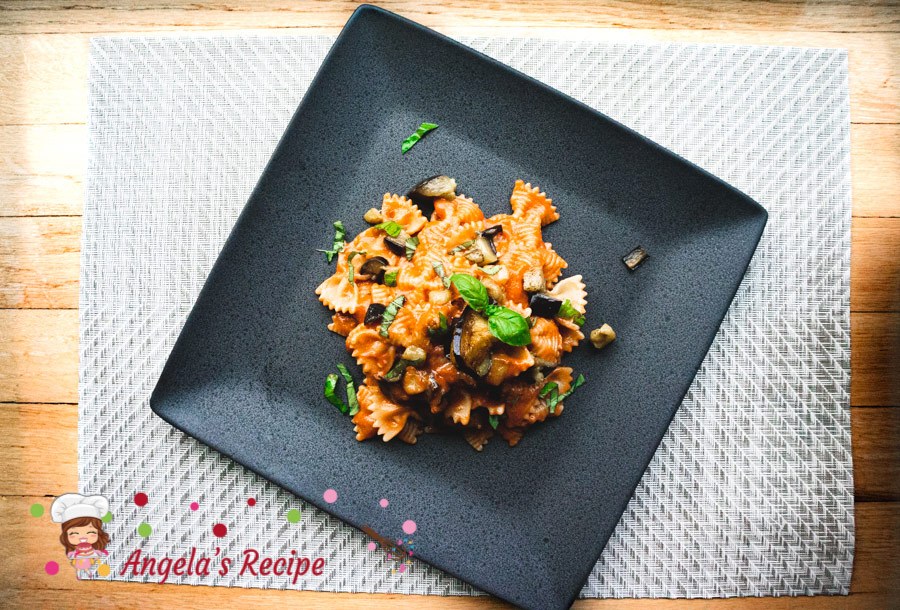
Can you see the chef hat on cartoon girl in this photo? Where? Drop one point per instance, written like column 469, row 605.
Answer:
column 72, row 506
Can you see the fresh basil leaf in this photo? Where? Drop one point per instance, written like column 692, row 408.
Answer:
column 330, row 394
column 411, row 244
column 509, row 326
column 390, row 227
column 352, row 402
column 567, row 310
column 411, row 140
column 390, row 278
column 494, row 420
column 470, row 289
column 389, row 314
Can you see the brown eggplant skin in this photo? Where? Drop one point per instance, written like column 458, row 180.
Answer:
column 374, row 313
column 544, row 306
column 374, row 267
column 470, row 344
column 396, row 244
column 425, row 192
column 490, row 232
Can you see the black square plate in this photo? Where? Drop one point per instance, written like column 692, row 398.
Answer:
column 525, row 523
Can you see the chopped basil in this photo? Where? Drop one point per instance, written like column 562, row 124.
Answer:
column 330, row 395
column 397, row 370
column 350, row 258
column 351, row 390
column 339, row 234
column 441, row 329
column 553, row 390
column 439, row 269
column 389, row 314
column 463, row 246
column 390, row 227
column 390, row 278
column 411, row 244
column 579, row 381
column 566, row 310
column 411, row 140
column 494, row 420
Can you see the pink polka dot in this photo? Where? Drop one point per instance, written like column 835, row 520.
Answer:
column 383, row 503
column 402, row 568
column 251, row 501
column 51, row 568
column 399, row 541
column 219, row 530
column 410, row 553
column 371, row 546
column 330, row 496
column 141, row 499
column 409, row 526
column 194, row 506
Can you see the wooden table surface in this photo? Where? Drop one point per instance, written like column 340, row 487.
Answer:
column 43, row 97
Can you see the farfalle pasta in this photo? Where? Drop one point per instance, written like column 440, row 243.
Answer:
column 458, row 322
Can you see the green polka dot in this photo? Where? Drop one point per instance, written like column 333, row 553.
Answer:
column 37, row 510
column 293, row 516
column 145, row 530
column 107, row 517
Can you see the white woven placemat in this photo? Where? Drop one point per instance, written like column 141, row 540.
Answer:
column 751, row 491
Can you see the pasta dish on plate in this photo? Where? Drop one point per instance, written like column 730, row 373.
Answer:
column 458, row 322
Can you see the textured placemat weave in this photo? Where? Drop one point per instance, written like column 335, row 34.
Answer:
column 751, row 491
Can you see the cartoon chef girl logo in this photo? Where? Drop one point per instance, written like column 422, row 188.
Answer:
column 82, row 533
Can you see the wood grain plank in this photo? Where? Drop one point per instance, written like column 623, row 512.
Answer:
column 34, row 541
column 39, row 261
column 32, row 470
column 32, row 61
column 43, row 79
column 97, row 15
column 876, row 453
column 875, row 359
column 875, row 169
column 875, row 264
column 38, row 355
column 39, row 449
column 42, row 169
